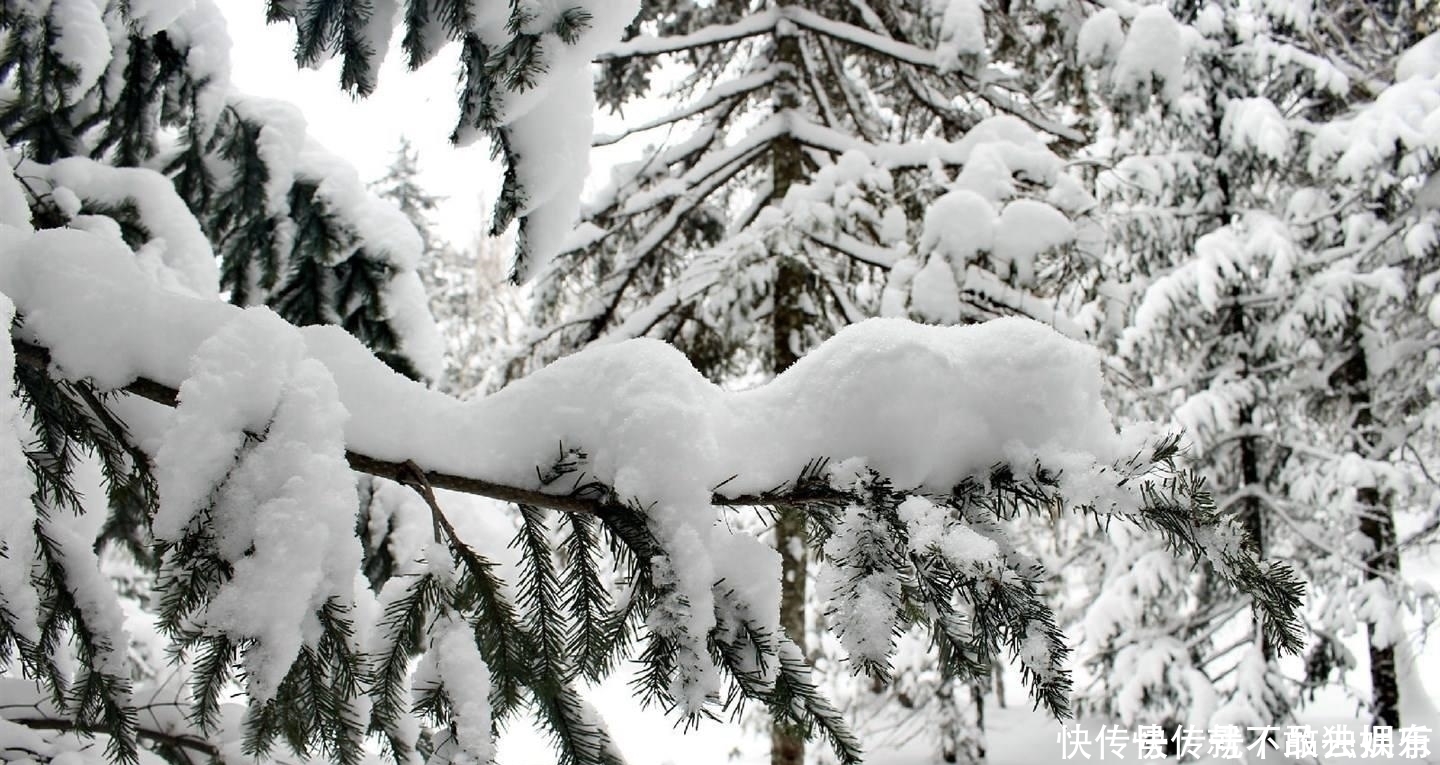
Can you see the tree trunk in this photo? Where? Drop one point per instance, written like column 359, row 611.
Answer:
column 1248, row 509
column 1377, row 524
column 787, row 325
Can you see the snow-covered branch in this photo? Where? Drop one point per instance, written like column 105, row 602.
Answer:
column 733, row 89
column 38, row 357
column 647, row 45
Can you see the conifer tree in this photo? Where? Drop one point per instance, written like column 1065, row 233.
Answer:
column 1378, row 264
column 1210, row 130
column 101, row 84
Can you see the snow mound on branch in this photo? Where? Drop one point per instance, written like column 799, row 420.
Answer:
column 14, row 210
column 549, row 127
column 962, row 33
column 927, row 406
column 1101, row 38
column 1018, row 145
column 1422, row 60
column 177, row 254
column 1153, row 56
column 933, row 402
column 282, row 511
column 1026, row 229
column 81, row 42
column 200, row 32
column 933, row 292
column 1255, row 124
column 960, row 224
column 1403, row 120
column 151, row 16
column 457, row 657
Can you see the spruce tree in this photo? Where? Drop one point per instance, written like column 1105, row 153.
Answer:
column 1379, row 249
column 1236, row 329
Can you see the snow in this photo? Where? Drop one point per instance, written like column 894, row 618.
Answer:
column 549, row 126
column 655, row 430
column 151, row 16
column 1100, row 39
column 1295, row 13
column 987, row 173
column 934, row 295
column 458, row 659
column 282, row 512
column 1270, row 54
column 932, row 527
column 1403, row 119
column 14, row 210
column 647, row 44
column 279, row 143
column 1421, row 61
column 960, row 225
column 18, row 598
column 1020, row 146
column 81, row 41
column 1028, row 228
column 200, row 32
column 126, row 327
column 962, row 33
column 1256, row 125
column 379, row 227
column 94, row 593
column 178, row 253
column 1427, row 197
column 1153, row 56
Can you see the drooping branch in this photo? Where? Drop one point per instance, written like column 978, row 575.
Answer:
column 38, row 716
column 583, row 502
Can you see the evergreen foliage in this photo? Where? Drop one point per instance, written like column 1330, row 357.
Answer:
column 817, row 164
column 828, row 173
column 1234, row 330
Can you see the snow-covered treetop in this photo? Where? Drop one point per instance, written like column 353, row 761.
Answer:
column 814, row 137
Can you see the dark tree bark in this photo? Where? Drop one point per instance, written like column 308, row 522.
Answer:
column 1376, row 522
column 787, row 324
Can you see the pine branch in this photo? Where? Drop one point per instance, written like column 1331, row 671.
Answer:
column 584, row 502
column 403, row 632
column 539, row 597
column 157, row 737
column 646, row 46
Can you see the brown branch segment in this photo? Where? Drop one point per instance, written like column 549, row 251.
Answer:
column 39, row 719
